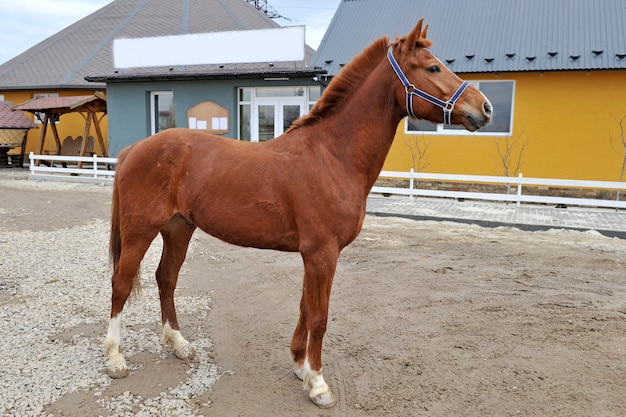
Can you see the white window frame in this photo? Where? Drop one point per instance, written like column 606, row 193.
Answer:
column 254, row 101
column 154, row 120
column 442, row 131
column 278, row 103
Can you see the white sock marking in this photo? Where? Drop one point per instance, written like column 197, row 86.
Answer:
column 182, row 348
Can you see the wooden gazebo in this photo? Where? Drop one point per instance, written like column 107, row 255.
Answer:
column 14, row 126
column 49, row 109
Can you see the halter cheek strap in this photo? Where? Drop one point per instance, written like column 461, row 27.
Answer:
column 411, row 91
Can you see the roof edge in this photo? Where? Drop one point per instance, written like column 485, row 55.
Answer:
column 62, row 87
column 538, row 71
column 304, row 73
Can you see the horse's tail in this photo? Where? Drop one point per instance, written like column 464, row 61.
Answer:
column 115, row 240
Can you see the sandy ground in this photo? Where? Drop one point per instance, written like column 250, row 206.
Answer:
column 427, row 319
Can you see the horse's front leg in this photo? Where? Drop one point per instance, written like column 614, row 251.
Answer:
column 176, row 237
column 300, row 338
column 319, row 270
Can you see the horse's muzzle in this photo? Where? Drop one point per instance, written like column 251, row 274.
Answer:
column 474, row 122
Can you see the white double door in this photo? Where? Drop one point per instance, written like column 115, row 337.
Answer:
column 271, row 116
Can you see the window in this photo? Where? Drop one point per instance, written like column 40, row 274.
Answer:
column 245, row 113
column 501, row 96
column 267, row 112
column 39, row 116
column 162, row 111
column 315, row 92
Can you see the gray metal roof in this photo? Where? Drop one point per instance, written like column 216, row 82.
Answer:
column 85, row 48
column 487, row 35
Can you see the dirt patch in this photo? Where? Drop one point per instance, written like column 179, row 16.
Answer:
column 427, row 319
column 39, row 205
column 430, row 319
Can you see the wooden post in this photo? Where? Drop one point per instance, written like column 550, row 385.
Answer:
column 54, row 131
column 23, row 151
column 42, row 136
column 83, row 146
column 103, row 147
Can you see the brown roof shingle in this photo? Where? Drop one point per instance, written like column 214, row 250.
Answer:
column 64, row 104
column 10, row 119
column 85, row 48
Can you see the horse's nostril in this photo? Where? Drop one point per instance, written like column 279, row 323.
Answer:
column 487, row 107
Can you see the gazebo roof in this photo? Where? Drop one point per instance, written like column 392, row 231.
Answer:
column 67, row 104
column 10, row 119
column 53, row 106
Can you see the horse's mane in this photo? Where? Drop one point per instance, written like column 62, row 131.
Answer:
column 348, row 79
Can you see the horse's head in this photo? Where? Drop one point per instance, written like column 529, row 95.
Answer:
column 429, row 90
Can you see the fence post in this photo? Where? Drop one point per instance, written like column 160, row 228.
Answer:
column 31, row 164
column 411, row 183
column 519, row 189
column 95, row 165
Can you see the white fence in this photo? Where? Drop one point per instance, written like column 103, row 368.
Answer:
column 516, row 184
column 101, row 170
column 72, row 168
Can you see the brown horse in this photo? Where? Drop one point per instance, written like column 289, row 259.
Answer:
column 308, row 194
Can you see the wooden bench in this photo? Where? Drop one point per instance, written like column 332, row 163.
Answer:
column 72, row 147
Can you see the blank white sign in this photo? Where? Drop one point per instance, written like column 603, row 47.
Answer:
column 262, row 45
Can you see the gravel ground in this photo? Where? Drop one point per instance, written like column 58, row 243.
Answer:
column 54, row 295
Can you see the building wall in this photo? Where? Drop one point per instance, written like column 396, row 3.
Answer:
column 129, row 104
column 71, row 124
column 566, row 119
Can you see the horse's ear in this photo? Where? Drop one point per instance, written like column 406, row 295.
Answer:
column 418, row 37
column 415, row 35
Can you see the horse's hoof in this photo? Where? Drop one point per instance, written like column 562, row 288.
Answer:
column 117, row 373
column 300, row 373
column 116, row 365
column 324, row 400
column 319, row 391
column 185, row 353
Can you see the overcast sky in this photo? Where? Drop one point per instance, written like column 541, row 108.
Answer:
column 25, row 23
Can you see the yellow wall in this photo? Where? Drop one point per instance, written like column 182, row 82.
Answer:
column 71, row 124
column 566, row 119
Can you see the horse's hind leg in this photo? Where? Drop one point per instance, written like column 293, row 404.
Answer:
column 176, row 237
column 125, row 273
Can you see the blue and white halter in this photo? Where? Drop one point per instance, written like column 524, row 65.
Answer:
column 411, row 91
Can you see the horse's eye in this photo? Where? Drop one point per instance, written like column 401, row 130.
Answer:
column 434, row 69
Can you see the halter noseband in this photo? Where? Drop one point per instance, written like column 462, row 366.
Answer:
column 411, row 91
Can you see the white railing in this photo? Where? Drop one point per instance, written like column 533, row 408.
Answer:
column 101, row 170
column 515, row 183
column 73, row 168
